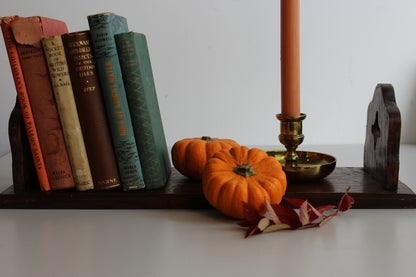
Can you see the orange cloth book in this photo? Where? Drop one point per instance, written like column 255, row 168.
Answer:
column 23, row 99
column 27, row 34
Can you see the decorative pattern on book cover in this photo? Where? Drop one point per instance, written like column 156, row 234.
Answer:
column 103, row 27
column 144, row 108
column 67, row 110
column 23, row 100
column 91, row 111
column 28, row 33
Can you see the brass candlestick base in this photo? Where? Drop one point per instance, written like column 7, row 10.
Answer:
column 300, row 166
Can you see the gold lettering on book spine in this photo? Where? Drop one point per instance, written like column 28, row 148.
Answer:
column 115, row 98
column 80, row 52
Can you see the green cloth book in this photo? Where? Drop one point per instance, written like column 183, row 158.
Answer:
column 144, row 108
column 103, row 27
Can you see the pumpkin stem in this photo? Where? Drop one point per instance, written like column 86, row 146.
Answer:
column 207, row 138
column 245, row 170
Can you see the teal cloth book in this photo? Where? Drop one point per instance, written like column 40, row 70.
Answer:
column 103, row 27
column 144, row 108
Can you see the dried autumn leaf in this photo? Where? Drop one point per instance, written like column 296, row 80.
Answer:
column 252, row 220
column 272, row 212
column 276, row 227
column 251, row 215
column 346, row 202
column 287, row 215
column 280, row 217
column 304, row 214
column 295, row 202
column 264, row 223
column 308, row 213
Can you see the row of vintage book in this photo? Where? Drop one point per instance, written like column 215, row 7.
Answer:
column 88, row 102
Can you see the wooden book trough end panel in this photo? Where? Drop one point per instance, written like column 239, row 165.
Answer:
column 24, row 173
column 382, row 144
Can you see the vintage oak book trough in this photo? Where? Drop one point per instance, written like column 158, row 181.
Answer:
column 375, row 185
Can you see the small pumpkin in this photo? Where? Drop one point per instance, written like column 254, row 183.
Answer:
column 190, row 155
column 243, row 175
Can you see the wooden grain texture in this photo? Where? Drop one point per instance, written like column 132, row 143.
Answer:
column 382, row 144
column 184, row 193
column 367, row 191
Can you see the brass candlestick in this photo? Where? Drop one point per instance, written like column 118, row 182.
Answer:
column 300, row 166
column 291, row 134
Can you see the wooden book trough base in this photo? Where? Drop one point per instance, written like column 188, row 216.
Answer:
column 376, row 185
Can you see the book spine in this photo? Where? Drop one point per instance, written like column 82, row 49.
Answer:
column 27, row 33
column 23, row 99
column 91, row 111
column 103, row 27
column 144, row 108
column 67, row 110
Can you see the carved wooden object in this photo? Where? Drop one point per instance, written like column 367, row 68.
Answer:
column 382, row 144
column 24, row 173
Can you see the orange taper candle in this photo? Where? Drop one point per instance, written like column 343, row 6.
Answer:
column 290, row 60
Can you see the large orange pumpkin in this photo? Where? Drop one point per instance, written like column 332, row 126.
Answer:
column 190, row 155
column 243, row 175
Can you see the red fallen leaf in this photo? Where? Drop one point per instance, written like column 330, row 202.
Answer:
column 313, row 213
column 298, row 202
column 287, row 215
column 321, row 210
column 295, row 202
column 272, row 213
column 281, row 217
column 276, row 227
column 264, row 223
column 253, row 230
column 346, row 202
column 251, row 215
column 308, row 213
column 305, row 213
column 252, row 219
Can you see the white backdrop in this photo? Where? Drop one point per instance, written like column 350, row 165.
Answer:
column 216, row 63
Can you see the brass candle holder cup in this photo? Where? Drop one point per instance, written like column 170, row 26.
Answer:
column 300, row 166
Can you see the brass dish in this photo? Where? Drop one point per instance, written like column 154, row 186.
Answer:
column 308, row 167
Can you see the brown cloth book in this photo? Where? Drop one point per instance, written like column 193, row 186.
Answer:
column 91, row 110
column 28, row 33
